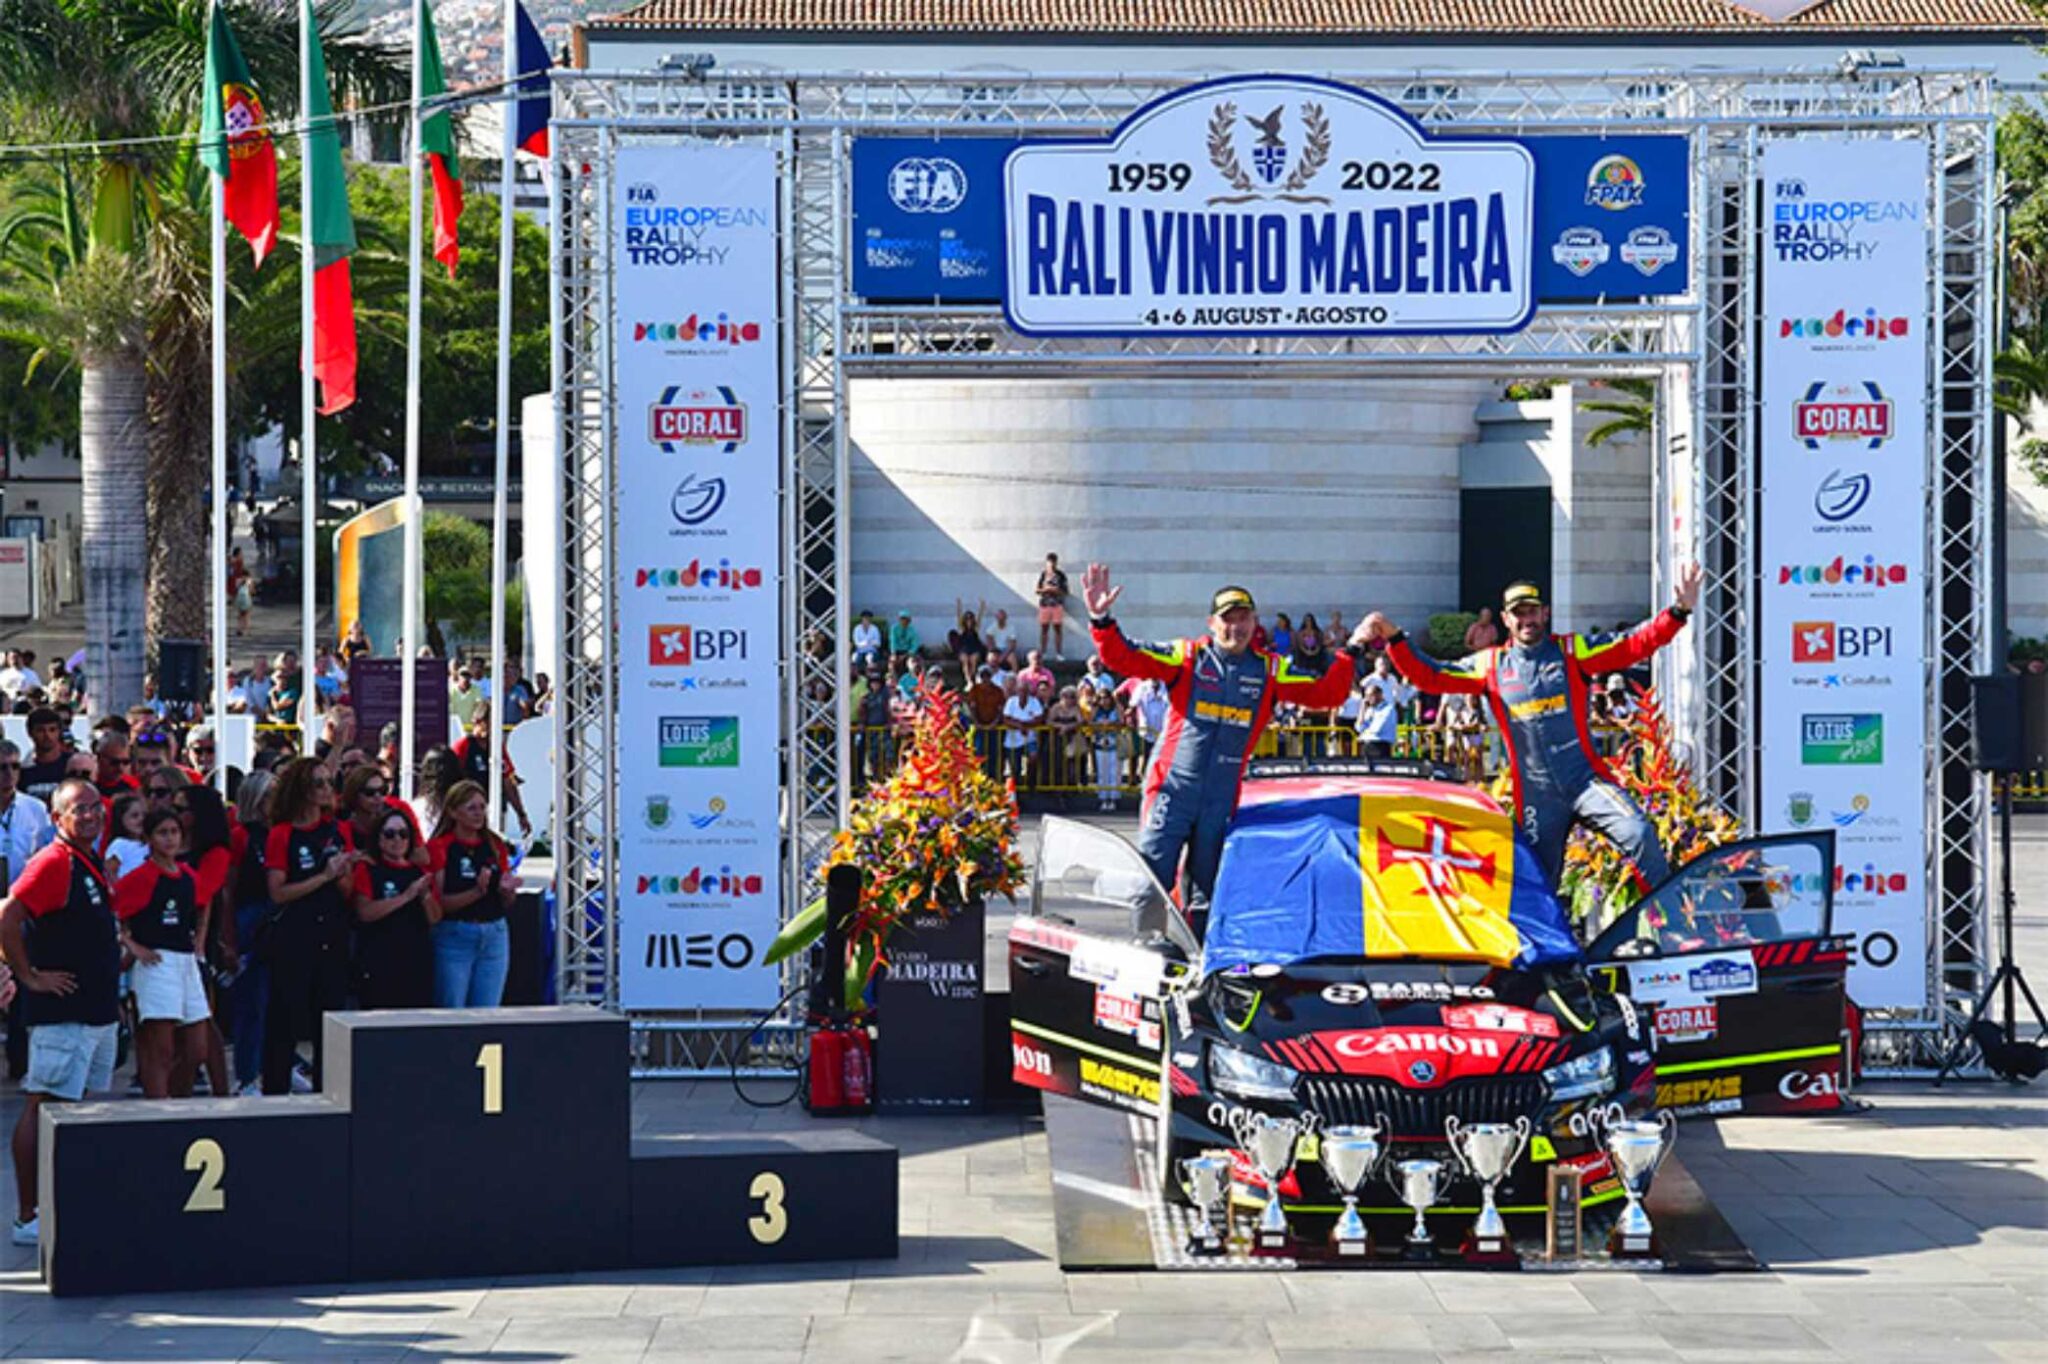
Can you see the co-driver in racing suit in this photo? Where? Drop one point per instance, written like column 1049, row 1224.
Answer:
column 1537, row 685
column 1220, row 694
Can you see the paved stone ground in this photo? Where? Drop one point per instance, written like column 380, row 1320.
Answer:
column 1915, row 1231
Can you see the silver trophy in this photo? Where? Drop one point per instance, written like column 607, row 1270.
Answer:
column 1270, row 1142
column 1207, row 1177
column 1489, row 1150
column 1637, row 1147
column 1349, row 1156
column 1418, row 1182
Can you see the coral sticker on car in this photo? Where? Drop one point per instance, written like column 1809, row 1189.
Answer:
column 1688, row 1022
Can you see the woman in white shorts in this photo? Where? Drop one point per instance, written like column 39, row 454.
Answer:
column 162, row 920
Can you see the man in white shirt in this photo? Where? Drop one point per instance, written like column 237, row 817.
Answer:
column 24, row 821
column 867, row 640
column 19, row 675
column 1001, row 639
column 1021, row 715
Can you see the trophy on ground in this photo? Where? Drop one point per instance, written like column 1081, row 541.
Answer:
column 1637, row 1148
column 1488, row 1150
column 1418, row 1182
column 1208, row 1183
column 1270, row 1142
column 1349, row 1157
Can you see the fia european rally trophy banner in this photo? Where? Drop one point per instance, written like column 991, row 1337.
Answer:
column 1844, row 490
column 1269, row 205
column 699, row 458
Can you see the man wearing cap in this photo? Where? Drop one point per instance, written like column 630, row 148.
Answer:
column 903, row 640
column 1538, row 685
column 1220, row 694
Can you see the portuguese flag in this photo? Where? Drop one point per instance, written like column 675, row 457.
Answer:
column 437, row 140
column 332, row 234
column 235, row 140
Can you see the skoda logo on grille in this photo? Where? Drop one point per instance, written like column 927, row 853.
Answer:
column 1422, row 1072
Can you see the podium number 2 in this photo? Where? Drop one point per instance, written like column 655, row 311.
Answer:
column 768, row 1225
column 206, row 1157
column 490, row 1059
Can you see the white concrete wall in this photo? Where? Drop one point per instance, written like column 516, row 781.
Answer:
column 1600, row 532
column 1314, row 495
column 44, row 482
column 2026, row 536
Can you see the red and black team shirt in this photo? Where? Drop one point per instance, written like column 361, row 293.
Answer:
column 391, row 803
column 161, row 908
column 71, row 928
column 459, row 864
column 210, row 871
column 302, row 855
column 475, row 757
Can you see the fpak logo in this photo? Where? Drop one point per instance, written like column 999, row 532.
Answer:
column 1823, row 641
column 1843, row 412
column 683, row 417
column 927, row 184
column 1840, row 496
column 700, row 741
column 696, row 577
column 683, row 646
column 1614, row 183
column 1841, row 740
column 699, row 883
column 1580, row 250
column 1866, row 573
column 1866, row 327
column 698, row 331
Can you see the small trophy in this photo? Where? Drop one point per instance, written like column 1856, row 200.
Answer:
column 1637, row 1148
column 1489, row 1151
column 1418, row 1182
column 1564, row 1238
column 1349, row 1156
column 1270, row 1142
column 1208, row 1182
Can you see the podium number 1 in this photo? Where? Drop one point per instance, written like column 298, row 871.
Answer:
column 490, row 1059
column 206, row 1157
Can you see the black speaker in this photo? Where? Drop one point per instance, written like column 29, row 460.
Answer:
column 180, row 670
column 2009, row 722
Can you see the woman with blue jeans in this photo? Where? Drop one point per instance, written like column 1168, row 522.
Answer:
column 475, row 886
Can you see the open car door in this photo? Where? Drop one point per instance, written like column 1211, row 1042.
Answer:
column 1734, row 962
column 1088, row 966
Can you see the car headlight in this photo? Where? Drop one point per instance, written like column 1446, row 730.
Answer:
column 1248, row 1076
column 1582, row 1077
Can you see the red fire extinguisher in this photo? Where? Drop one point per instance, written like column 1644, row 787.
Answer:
column 840, row 1073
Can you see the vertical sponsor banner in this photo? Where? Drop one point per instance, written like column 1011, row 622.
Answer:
column 1844, row 461
column 699, row 461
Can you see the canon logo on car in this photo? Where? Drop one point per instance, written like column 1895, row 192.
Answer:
column 1403, row 1043
column 1797, row 1084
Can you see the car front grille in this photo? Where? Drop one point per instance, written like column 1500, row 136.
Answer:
column 1419, row 1113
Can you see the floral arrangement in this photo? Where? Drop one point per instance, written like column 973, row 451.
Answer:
column 939, row 834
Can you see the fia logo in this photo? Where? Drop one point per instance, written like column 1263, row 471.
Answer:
column 642, row 193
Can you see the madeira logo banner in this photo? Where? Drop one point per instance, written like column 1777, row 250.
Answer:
column 1269, row 205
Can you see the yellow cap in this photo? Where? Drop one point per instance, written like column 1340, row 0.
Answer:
column 1521, row 594
column 1229, row 599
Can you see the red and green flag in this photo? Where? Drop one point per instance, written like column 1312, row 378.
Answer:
column 332, row 234
column 234, row 140
column 437, row 141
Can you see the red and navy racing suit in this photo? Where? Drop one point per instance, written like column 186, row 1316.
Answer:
column 1538, row 694
column 1218, row 704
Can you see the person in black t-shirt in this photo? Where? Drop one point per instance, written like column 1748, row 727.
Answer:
column 474, row 885
column 395, row 914
column 162, row 923
column 473, row 751
column 45, row 768
column 69, row 972
column 307, row 865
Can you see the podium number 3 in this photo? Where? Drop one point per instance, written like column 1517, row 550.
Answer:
column 768, row 1225
column 206, row 1157
column 490, row 1059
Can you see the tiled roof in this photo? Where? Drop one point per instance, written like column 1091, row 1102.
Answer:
column 1442, row 17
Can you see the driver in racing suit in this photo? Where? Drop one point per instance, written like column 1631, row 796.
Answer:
column 1537, row 685
column 1220, row 695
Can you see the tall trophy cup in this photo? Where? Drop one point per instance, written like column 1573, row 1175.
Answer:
column 1270, row 1142
column 1489, row 1151
column 1637, row 1148
column 1349, row 1155
column 1418, row 1182
column 1208, row 1182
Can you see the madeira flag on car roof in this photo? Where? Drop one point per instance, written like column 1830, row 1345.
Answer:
column 536, row 103
column 1381, row 868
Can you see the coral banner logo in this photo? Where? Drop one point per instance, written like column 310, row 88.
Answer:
column 682, row 418
column 1843, row 412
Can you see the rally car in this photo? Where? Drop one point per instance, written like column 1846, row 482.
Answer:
column 1382, row 949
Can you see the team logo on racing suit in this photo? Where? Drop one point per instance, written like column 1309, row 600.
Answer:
column 1843, row 412
column 1276, row 173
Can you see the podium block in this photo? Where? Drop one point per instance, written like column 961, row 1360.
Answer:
column 825, row 1195
column 485, row 1141
column 193, row 1193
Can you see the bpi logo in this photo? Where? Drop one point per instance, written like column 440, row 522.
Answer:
column 680, row 646
column 1843, row 412
column 685, row 417
column 1614, row 183
column 927, row 184
column 1840, row 496
column 697, row 883
column 1824, row 641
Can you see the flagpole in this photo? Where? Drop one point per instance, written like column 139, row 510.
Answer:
column 506, row 177
column 308, row 487
column 220, row 478
column 408, row 643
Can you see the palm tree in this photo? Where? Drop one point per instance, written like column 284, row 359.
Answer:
column 2022, row 374
column 1633, row 411
column 128, row 306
